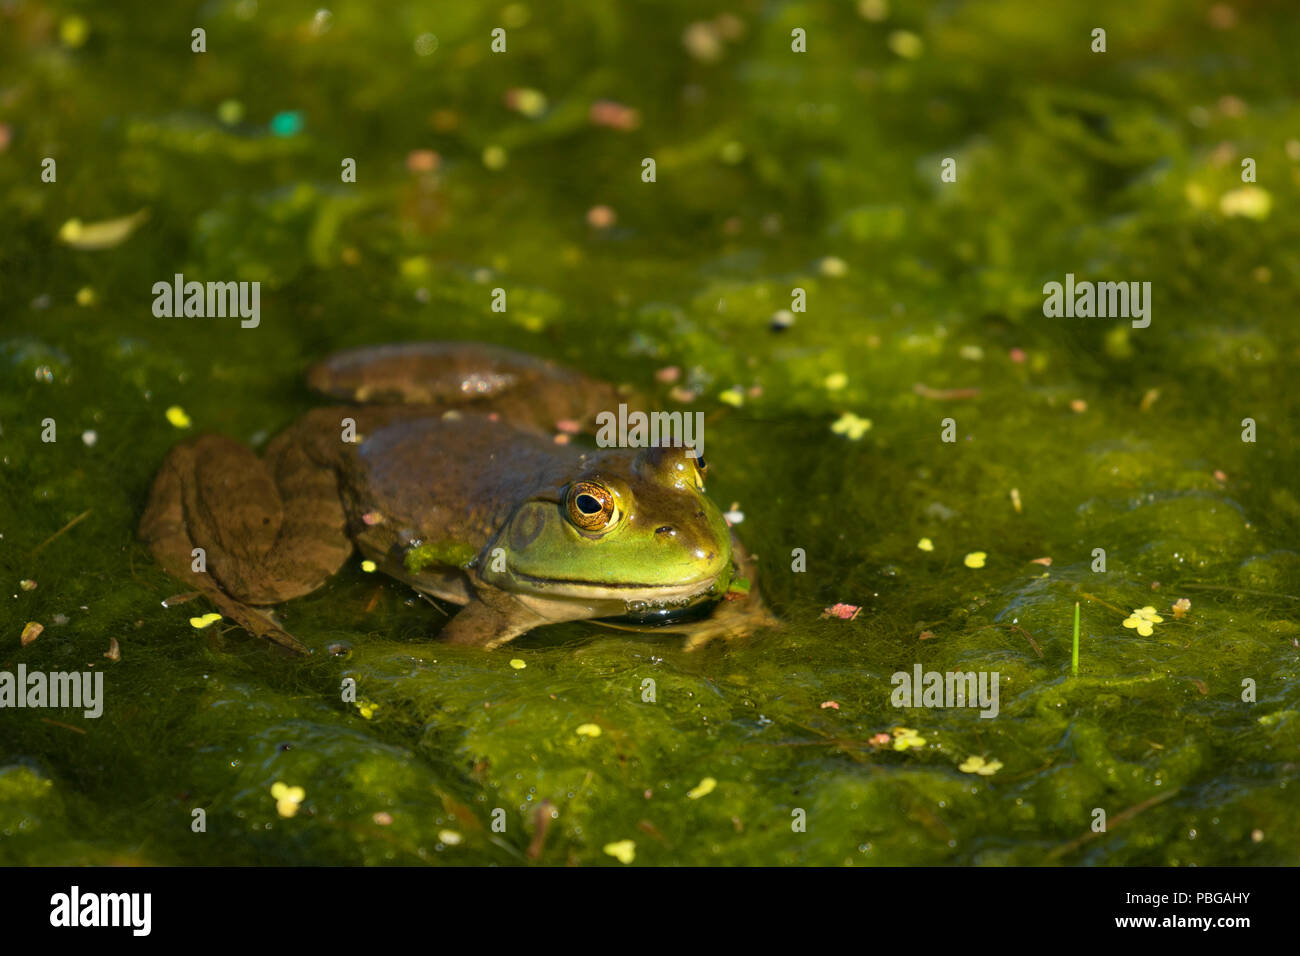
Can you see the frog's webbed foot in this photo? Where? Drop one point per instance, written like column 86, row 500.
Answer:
column 246, row 532
column 486, row 625
column 521, row 389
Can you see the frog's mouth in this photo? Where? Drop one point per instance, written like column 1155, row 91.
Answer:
column 648, row 615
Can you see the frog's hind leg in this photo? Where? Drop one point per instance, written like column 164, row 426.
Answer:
column 269, row 531
column 521, row 389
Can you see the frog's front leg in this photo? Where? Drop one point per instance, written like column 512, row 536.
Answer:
column 269, row 530
column 522, row 389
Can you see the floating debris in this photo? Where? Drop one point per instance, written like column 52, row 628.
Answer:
column 526, row 100
column 449, row 837
column 734, row 396
column 89, row 437
column 845, row 612
column 613, row 115
column 287, row 799
column 588, row 730
column 985, row 768
column 517, row 664
column 1180, row 607
column 114, row 652
column 906, row 738
column 944, row 394
column 975, row 559
column 369, row 566
column 86, row 296
column 622, row 850
column 833, row 267
column 422, row 161
column 31, row 631
column 1143, row 620
column 367, row 708
column 286, row 123
column 1078, row 406
column 906, row 44
column 27, row 584
column 782, row 320
column 1250, row 202
column 735, row 515
column 705, row 787
column 569, row 426
column 89, row 236
column 1045, row 562
column 1015, row 500
column 382, row 818
column 206, row 620
column 372, row 518
column 230, row 112
column 851, row 426
column 176, row 415
column 835, row 381
column 1018, row 356
column 495, row 157
column 601, row 217
column 925, row 544
column 668, row 374
column 830, row 705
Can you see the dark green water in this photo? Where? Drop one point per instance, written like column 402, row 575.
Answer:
column 1109, row 166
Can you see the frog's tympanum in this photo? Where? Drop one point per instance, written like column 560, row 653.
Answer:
column 445, row 472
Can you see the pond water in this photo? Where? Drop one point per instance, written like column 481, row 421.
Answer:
column 774, row 171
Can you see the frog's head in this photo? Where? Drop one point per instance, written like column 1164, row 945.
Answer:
column 625, row 528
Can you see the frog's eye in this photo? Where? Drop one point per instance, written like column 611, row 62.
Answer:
column 590, row 506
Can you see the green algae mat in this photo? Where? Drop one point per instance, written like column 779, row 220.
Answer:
column 990, row 316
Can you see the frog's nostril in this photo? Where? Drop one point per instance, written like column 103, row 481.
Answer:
column 665, row 529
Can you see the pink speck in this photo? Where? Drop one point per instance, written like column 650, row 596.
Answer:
column 845, row 612
column 614, row 116
column 683, row 395
column 494, row 416
column 1018, row 356
column 1220, row 477
column 372, row 518
column 561, row 439
column 755, row 391
column 668, row 374
column 6, row 134
column 568, row 426
column 880, row 740
column 601, row 217
column 422, row 160
column 830, row 703
column 1045, row 562
column 383, row 818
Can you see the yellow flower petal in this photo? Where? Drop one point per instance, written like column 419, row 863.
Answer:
column 622, row 850
column 588, row 730
column 368, row 566
column 204, row 621
column 975, row 559
column 925, row 544
column 449, row 837
column 706, row 787
column 176, row 415
column 517, row 664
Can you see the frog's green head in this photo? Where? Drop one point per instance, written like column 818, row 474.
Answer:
column 636, row 528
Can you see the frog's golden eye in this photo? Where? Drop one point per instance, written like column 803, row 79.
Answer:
column 590, row 506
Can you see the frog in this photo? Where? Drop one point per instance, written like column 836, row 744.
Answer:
column 441, row 463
